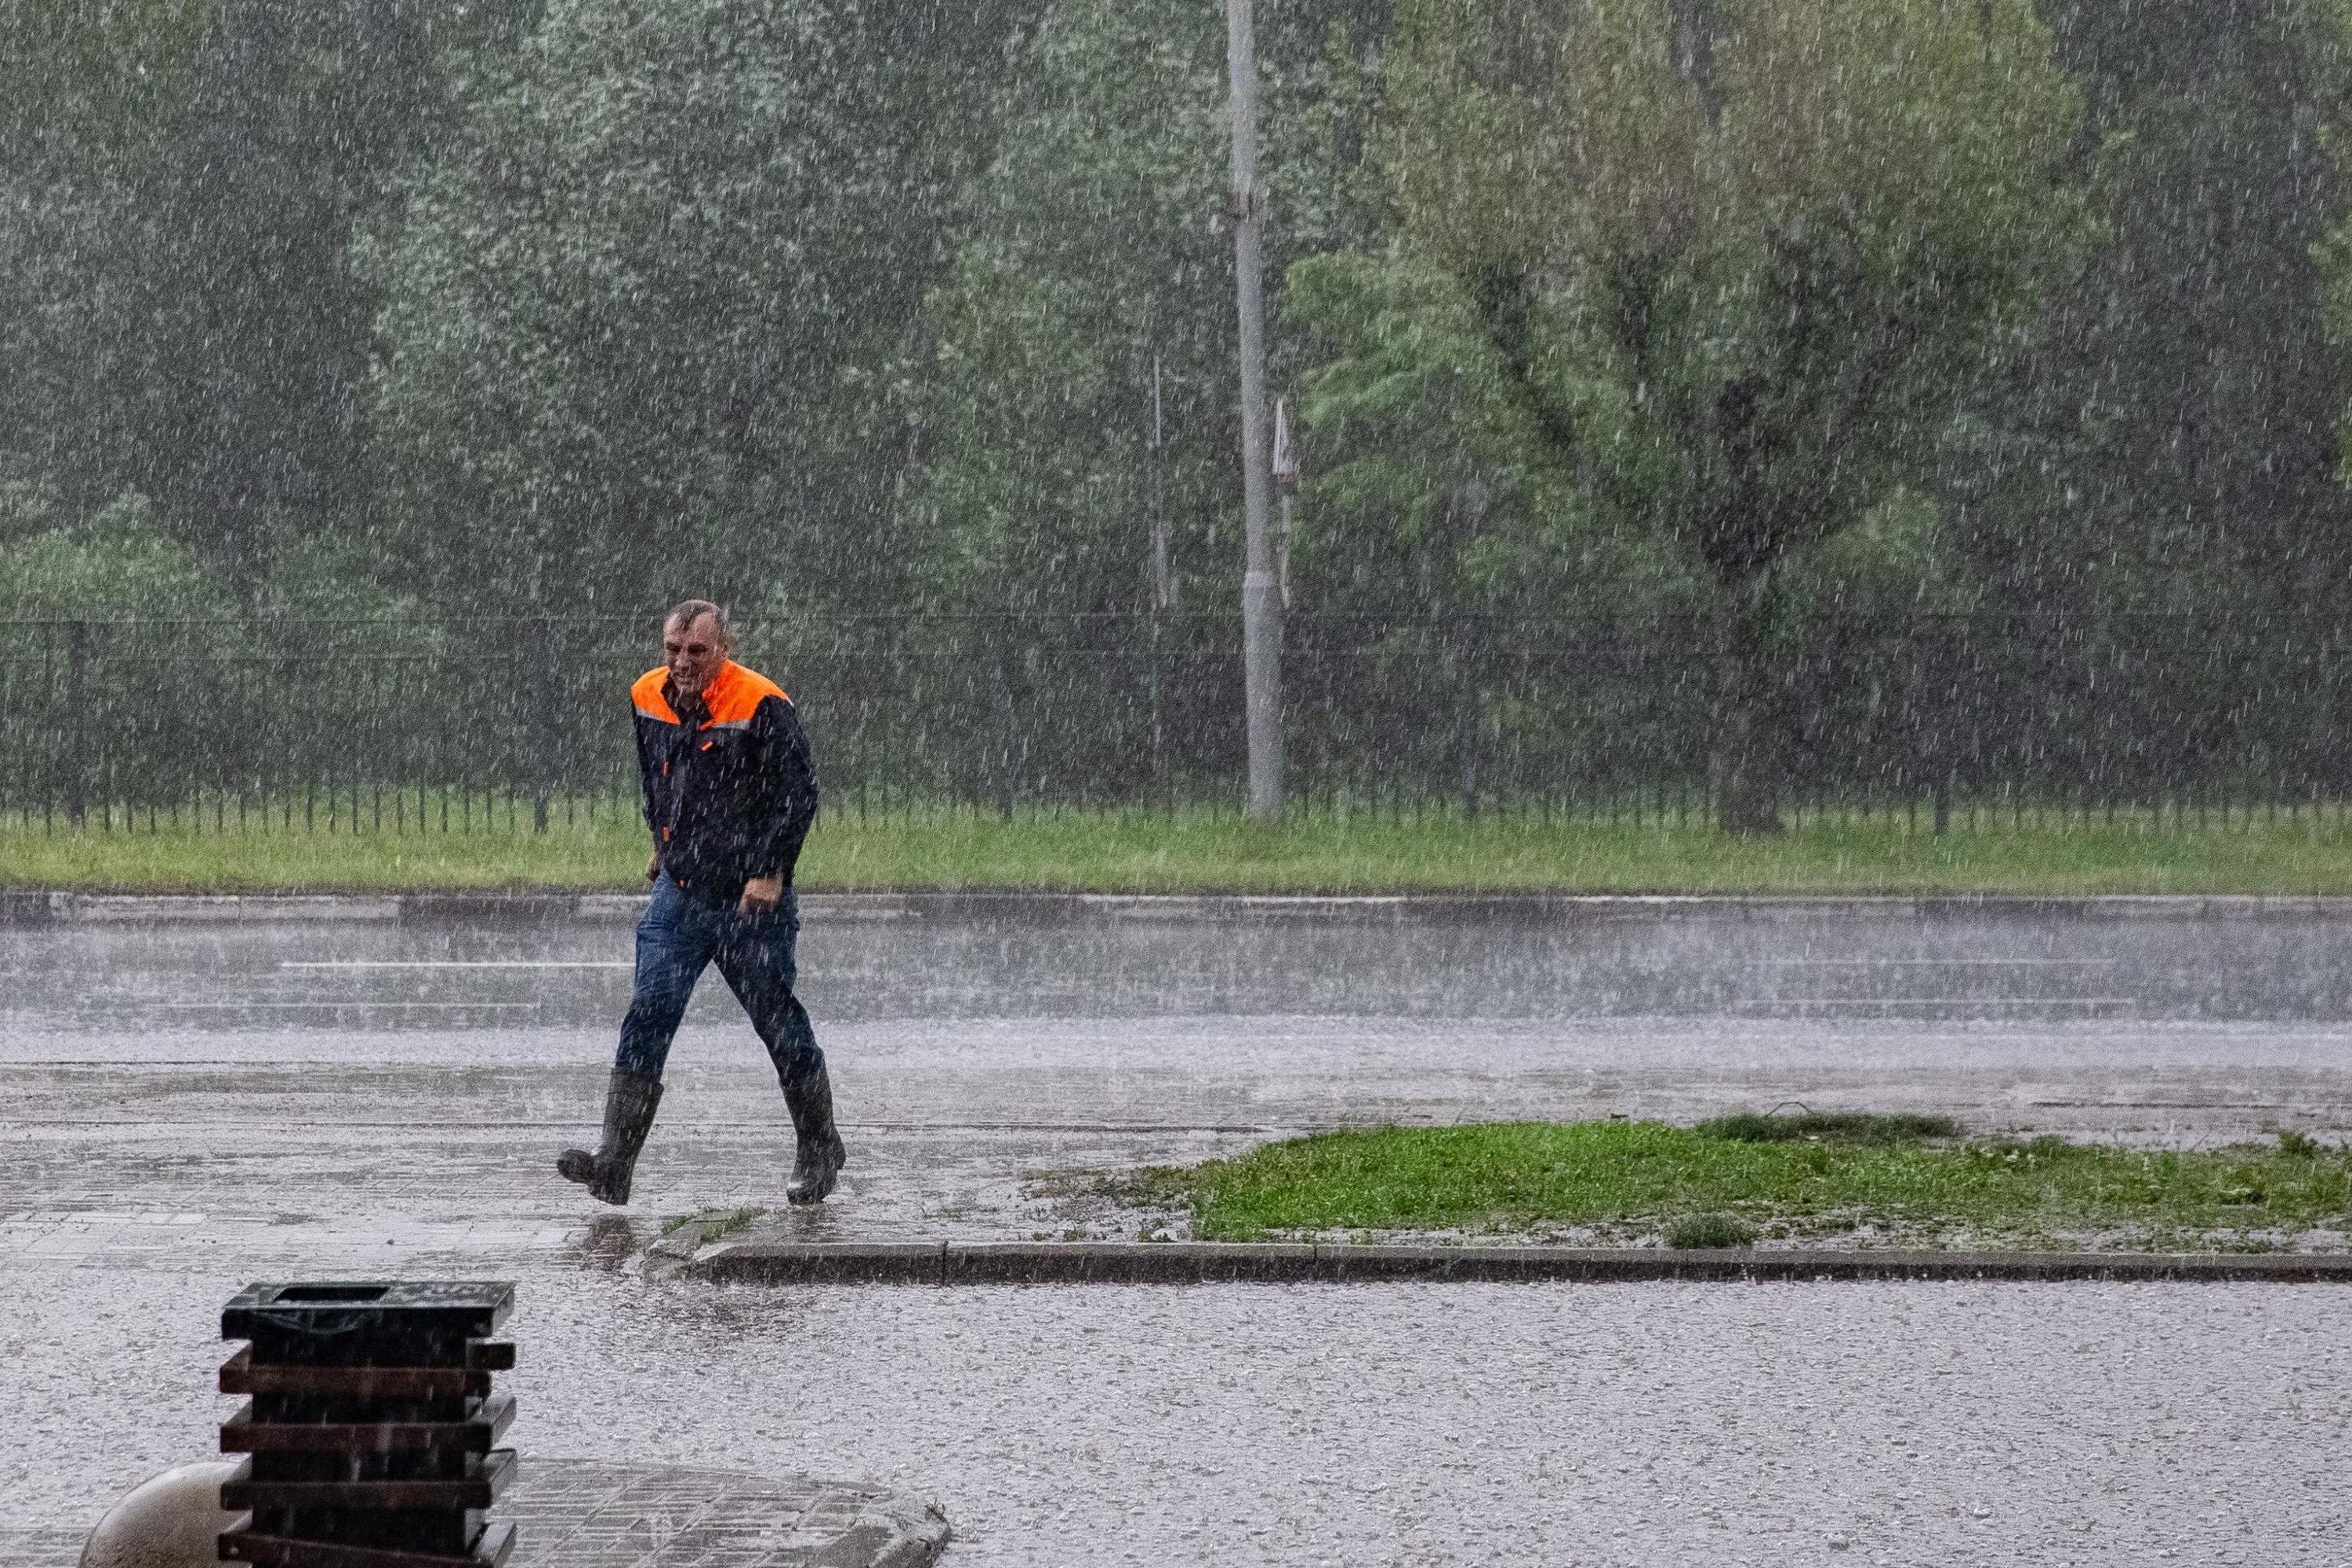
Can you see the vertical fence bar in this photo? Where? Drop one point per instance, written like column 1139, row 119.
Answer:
column 78, row 768
column 1991, row 723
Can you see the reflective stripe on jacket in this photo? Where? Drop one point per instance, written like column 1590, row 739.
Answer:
column 732, row 798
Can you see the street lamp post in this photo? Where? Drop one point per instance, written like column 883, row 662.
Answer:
column 1261, row 584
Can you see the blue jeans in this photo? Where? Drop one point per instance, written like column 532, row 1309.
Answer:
column 677, row 938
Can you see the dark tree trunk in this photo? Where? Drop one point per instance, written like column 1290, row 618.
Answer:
column 1751, row 740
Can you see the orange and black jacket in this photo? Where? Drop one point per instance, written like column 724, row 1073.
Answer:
column 730, row 786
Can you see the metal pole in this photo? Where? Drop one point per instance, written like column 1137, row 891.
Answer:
column 1162, row 566
column 1161, row 577
column 80, row 766
column 1261, row 588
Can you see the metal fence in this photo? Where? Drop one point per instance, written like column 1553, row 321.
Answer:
column 516, row 724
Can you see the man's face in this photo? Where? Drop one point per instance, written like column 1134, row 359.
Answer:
column 694, row 651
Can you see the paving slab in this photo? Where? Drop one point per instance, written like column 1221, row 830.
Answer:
column 580, row 1513
column 39, row 1548
column 586, row 1513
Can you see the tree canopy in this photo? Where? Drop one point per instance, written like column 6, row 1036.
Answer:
column 1796, row 332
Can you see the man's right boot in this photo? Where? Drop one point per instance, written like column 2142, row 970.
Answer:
column 819, row 1154
column 629, row 1105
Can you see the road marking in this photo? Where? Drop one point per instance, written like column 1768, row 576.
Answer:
column 761, row 1128
column 2155, row 1104
column 243, row 1007
column 457, row 963
column 1936, row 1002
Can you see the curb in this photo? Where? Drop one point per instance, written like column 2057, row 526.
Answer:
column 44, row 908
column 1277, row 1263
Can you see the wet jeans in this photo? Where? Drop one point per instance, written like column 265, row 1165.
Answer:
column 677, row 938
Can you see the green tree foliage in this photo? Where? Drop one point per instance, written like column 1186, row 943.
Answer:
column 1100, row 248
column 1769, row 325
column 1090, row 310
column 2148, row 474
column 88, row 86
column 117, row 562
column 2187, row 367
column 1437, row 519
column 92, row 97
column 300, row 116
column 1730, row 261
column 184, row 179
column 1097, row 248
column 645, row 324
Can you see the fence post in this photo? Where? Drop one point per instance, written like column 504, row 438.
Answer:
column 78, row 699
column 546, row 682
column 1468, row 659
column 1943, row 764
column 1000, row 707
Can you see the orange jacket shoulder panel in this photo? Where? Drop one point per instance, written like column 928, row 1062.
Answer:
column 738, row 692
column 646, row 693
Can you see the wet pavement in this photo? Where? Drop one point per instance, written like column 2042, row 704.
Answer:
column 1653, row 1424
column 185, row 1109
column 576, row 1513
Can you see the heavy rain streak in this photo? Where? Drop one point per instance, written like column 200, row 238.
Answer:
column 1684, row 637
column 1715, row 410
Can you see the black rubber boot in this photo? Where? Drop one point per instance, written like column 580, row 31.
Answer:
column 819, row 1154
column 629, row 1105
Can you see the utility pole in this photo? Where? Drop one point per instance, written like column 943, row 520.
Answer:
column 1261, row 585
column 1161, row 574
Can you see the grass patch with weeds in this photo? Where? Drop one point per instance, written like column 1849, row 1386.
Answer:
column 1865, row 1127
column 1698, row 1232
column 712, row 1224
column 1634, row 1181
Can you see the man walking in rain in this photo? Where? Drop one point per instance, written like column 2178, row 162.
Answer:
column 730, row 795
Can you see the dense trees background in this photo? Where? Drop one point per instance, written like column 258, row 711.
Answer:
column 1772, row 394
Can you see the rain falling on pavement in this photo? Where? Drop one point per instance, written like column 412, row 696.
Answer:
column 189, row 1107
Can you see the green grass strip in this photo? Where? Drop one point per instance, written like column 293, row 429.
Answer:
column 1198, row 851
column 1638, row 1180
column 712, row 1224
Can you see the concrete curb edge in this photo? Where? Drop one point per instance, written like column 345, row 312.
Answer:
column 38, row 908
column 1277, row 1263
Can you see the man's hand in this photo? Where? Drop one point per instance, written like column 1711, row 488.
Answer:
column 653, row 865
column 762, row 894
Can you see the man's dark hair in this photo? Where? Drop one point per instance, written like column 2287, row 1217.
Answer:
column 685, row 612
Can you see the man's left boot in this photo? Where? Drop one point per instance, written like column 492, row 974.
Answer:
column 819, row 1154
column 630, row 1102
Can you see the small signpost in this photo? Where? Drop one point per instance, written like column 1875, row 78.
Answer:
column 369, row 1435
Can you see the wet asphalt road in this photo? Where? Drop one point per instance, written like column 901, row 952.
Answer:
column 185, row 1109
